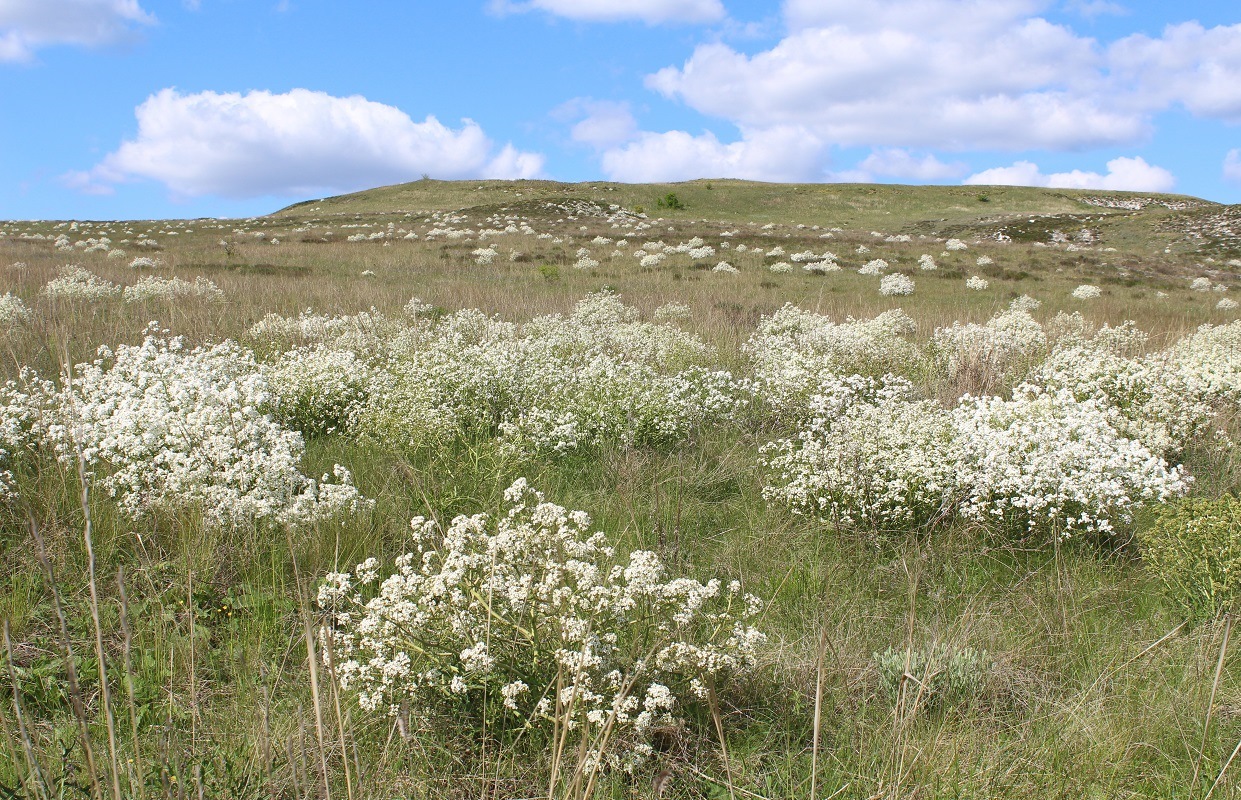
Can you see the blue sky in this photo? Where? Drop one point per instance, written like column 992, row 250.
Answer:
column 171, row 108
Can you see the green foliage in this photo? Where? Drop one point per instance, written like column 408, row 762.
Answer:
column 670, row 201
column 933, row 676
column 550, row 272
column 1194, row 548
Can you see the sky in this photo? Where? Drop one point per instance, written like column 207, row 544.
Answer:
column 142, row 109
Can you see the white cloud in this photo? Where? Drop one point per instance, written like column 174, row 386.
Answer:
column 959, row 75
column 774, row 154
column 28, row 25
column 1232, row 166
column 1196, row 67
column 600, row 123
column 897, row 163
column 1123, row 174
column 297, row 143
column 652, row 12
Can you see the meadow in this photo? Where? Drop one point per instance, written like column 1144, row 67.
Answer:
column 717, row 489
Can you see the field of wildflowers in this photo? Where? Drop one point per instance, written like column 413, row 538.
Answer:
column 543, row 496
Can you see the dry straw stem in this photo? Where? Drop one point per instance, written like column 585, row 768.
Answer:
column 75, row 690
column 313, row 664
column 105, row 691
column 1206, row 723
column 33, row 771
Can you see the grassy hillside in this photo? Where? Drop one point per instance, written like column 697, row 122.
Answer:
column 890, row 208
column 670, row 372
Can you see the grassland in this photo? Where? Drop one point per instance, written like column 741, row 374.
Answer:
column 1099, row 687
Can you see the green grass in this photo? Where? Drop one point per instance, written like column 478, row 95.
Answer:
column 1097, row 690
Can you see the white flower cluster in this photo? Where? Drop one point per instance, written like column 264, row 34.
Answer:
column 153, row 287
column 994, row 355
column 794, row 350
column 1045, row 461
column 896, row 285
column 553, row 384
column 1087, row 292
column 27, row 408
column 170, row 428
column 1041, row 461
column 531, row 618
column 13, row 311
column 976, row 283
column 868, row 456
column 75, row 283
column 317, row 389
column 875, row 267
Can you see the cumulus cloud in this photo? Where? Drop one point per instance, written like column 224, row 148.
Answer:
column 297, row 143
column 599, row 123
column 898, row 163
column 959, row 75
column 652, row 12
column 28, row 25
column 1196, row 67
column 774, row 154
column 1123, row 174
column 1232, row 166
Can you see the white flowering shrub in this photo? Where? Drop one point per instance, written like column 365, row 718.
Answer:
column 955, row 245
column 989, row 357
column 868, row 457
column 552, row 385
column 781, row 268
column 1208, row 363
column 1043, row 461
column 367, row 332
column 794, row 350
column 530, row 622
column 927, row 263
column 1202, row 284
column 145, row 262
column 1087, row 292
column 1153, row 402
column 875, row 267
column 896, row 285
column 28, row 410
column 318, row 390
column 13, row 311
column 75, row 283
column 169, row 428
column 976, row 283
column 1227, row 304
column 171, row 289
column 724, row 266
